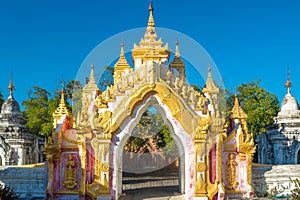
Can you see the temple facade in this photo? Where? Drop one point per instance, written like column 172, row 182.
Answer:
column 281, row 144
column 84, row 155
column 17, row 145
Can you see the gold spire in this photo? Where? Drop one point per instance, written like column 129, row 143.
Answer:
column 122, row 62
column 177, row 54
column 92, row 75
column 61, row 109
column 288, row 83
column 237, row 112
column 210, row 85
column 11, row 86
column 150, row 48
column 151, row 19
column 121, row 66
column 177, row 63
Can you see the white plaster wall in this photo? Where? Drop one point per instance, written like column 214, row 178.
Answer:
column 2, row 157
column 267, row 177
column 28, row 182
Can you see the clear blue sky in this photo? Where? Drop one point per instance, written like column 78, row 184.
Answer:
column 44, row 42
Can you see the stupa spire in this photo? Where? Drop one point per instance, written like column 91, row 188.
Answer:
column 150, row 35
column 210, row 85
column 151, row 18
column 177, row 54
column 121, row 66
column 177, row 63
column 288, row 83
column 11, row 86
column 237, row 111
column 122, row 62
column 92, row 74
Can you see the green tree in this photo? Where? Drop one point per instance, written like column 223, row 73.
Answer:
column 295, row 193
column 260, row 105
column 107, row 78
column 37, row 113
column 151, row 125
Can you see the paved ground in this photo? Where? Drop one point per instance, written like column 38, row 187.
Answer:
column 158, row 185
column 155, row 193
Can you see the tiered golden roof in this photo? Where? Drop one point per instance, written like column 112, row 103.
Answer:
column 91, row 84
column 121, row 66
column 177, row 63
column 237, row 112
column 149, row 47
column 62, row 108
column 210, row 86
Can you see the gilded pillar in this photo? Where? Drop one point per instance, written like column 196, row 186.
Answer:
column 101, row 186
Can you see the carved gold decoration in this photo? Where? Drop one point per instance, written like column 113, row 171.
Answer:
column 121, row 66
column 104, row 121
column 237, row 112
column 100, row 186
column 200, row 186
column 231, row 173
column 203, row 125
column 82, row 154
column 99, row 101
column 200, row 166
column 202, row 102
column 61, row 110
column 186, row 117
column 70, row 174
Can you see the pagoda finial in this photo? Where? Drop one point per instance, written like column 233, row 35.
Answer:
column 122, row 49
column 177, row 54
column 92, row 75
column 210, row 85
column 237, row 111
column 122, row 62
column 288, row 83
column 11, row 86
column 61, row 109
column 151, row 19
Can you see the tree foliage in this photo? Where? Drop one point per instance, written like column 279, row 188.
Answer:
column 151, row 127
column 295, row 193
column 260, row 105
column 107, row 78
column 38, row 109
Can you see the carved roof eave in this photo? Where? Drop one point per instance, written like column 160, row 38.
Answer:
column 210, row 90
column 237, row 112
column 122, row 66
column 177, row 63
column 210, row 86
column 90, row 87
column 155, row 53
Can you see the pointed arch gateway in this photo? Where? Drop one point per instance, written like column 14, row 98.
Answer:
column 152, row 96
column 215, row 157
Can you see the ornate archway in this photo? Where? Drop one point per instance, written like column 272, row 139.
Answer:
column 183, row 142
column 84, row 155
